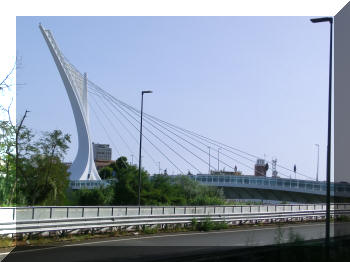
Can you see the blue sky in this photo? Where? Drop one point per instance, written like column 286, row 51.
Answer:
column 256, row 83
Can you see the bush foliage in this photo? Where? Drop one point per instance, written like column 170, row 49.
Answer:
column 159, row 189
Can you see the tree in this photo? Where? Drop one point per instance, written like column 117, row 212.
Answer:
column 160, row 189
column 106, row 172
column 7, row 162
column 4, row 83
column 97, row 196
column 30, row 172
column 7, row 143
column 126, row 186
column 43, row 176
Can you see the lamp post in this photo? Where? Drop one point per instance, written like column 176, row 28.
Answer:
column 318, row 160
column 209, row 159
column 328, row 196
column 218, row 159
column 139, row 193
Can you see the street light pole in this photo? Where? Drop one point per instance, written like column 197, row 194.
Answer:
column 318, row 160
column 328, row 196
column 139, row 193
column 218, row 159
column 209, row 160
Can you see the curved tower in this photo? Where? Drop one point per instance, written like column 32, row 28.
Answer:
column 83, row 166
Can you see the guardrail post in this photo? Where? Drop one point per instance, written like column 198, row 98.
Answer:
column 214, row 209
column 241, row 209
column 82, row 212
column 67, row 212
column 250, row 209
column 50, row 212
column 174, row 210
column 33, row 213
column 163, row 210
column 139, row 210
column 13, row 213
column 126, row 211
column 185, row 211
column 195, row 209
column 98, row 211
column 224, row 209
column 151, row 210
column 205, row 209
column 112, row 211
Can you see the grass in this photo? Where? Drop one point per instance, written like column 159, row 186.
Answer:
column 7, row 242
column 207, row 225
column 342, row 218
column 150, row 230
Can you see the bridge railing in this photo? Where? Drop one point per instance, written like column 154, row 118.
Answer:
column 295, row 185
column 43, row 219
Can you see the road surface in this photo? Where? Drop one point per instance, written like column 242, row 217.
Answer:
column 167, row 246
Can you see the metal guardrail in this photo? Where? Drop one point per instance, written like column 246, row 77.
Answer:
column 17, row 220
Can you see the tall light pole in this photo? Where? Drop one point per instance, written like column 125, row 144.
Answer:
column 139, row 194
column 218, row 159
column 328, row 196
column 209, row 160
column 318, row 160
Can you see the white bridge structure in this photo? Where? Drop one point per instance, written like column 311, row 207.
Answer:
column 174, row 145
column 83, row 166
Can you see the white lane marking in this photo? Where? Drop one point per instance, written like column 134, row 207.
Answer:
column 172, row 235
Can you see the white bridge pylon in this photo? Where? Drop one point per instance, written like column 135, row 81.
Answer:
column 83, row 166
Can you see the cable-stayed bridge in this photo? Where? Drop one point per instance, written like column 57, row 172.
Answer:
column 179, row 150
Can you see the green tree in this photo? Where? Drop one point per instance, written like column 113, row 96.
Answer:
column 97, row 196
column 43, row 176
column 11, row 141
column 7, row 162
column 106, row 172
column 160, row 189
column 126, row 186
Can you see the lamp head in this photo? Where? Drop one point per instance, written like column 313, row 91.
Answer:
column 322, row 19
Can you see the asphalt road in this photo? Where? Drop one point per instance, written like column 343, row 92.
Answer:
column 164, row 247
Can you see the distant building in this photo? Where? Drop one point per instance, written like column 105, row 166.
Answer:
column 102, row 152
column 260, row 168
column 102, row 164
